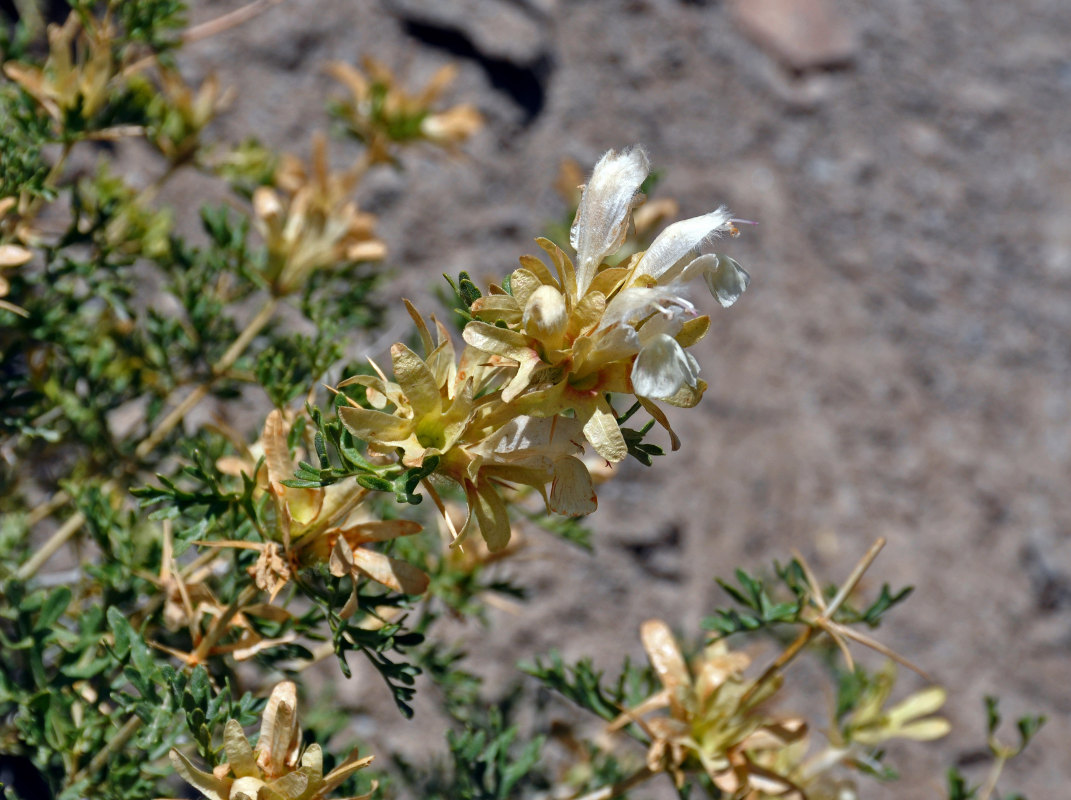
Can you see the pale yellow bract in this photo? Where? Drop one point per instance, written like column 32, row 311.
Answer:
column 309, row 221
column 277, row 769
column 321, row 526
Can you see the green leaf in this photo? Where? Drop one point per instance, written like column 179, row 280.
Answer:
column 121, row 630
column 53, row 608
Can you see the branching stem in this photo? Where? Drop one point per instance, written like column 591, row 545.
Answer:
column 158, row 434
column 115, row 744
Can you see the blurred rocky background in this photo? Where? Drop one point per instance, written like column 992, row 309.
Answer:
column 900, row 366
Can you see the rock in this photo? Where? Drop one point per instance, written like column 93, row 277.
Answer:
column 497, row 29
column 800, row 34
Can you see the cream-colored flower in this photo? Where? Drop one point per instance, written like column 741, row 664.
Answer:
column 180, row 114
column 65, row 84
column 479, row 444
column 871, row 723
column 278, row 768
column 714, row 721
column 380, row 113
column 310, row 223
column 583, row 331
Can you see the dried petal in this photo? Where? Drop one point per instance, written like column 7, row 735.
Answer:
column 602, row 217
column 239, row 753
column 571, row 492
column 391, row 572
column 679, row 240
column 279, row 735
column 602, row 431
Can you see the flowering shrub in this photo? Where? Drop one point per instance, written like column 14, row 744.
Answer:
column 212, row 571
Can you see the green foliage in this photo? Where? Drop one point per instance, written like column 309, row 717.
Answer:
column 760, row 609
column 486, row 764
column 960, row 788
column 765, row 603
column 23, row 168
column 154, row 23
column 332, row 438
column 463, row 293
column 637, row 448
column 194, row 578
column 583, row 685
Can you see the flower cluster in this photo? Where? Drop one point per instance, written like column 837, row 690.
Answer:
column 180, row 114
column 309, row 221
column 77, row 77
column 318, row 526
column 380, row 113
column 546, row 349
column 716, row 721
column 278, row 767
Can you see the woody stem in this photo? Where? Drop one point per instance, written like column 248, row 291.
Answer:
column 779, row 664
column 115, row 744
column 991, row 779
column 221, row 623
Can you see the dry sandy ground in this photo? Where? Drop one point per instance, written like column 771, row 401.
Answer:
column 900, row 365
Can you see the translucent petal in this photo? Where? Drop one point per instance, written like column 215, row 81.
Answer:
column 571, row 492
column 679, row 240
column 602, row 216
column 924, row 730
column 499, row 341
column 632, row 305
column 239, row 753
column 375, row 426
column 247, row 789
column 662, row 368
column 290, row 786
column 206, row 783
column 313, row 759
column 279, row 735
column 391, row 572
column 381, row 530
column 727, row 281
column 546, row 315
column 602, row 431
column 917, row 705
column 416, row 381
column 491, row 514
column 664, row 654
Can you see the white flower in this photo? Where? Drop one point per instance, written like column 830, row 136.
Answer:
column 662, row 366
column 602, row 217
column 725, row 278
column 601, row 225
column 546, row 448
column 665, row 258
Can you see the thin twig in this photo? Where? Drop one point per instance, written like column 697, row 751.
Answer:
column 991, row 779
column 220, row 624
column 46, row 508
column 226, row 361
column 158, row 434
column 227, row 21
column 115, row 744
column 55, row 542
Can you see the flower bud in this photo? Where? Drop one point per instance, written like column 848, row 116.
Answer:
column 545, row 316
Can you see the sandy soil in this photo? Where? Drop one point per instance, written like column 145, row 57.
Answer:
column 901, row 364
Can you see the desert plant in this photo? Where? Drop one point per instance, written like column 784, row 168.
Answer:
column 211, row 567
